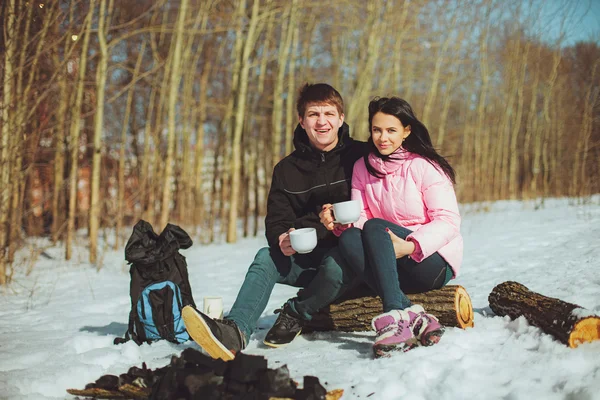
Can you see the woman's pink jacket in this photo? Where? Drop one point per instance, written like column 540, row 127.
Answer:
column 416, row 195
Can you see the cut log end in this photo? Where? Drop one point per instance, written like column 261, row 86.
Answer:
column 464, row 308
column 585, row 330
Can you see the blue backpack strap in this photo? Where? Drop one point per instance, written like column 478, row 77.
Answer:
column 144, row 311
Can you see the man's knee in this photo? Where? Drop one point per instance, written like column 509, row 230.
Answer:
column 263, row 263
column 332, row 270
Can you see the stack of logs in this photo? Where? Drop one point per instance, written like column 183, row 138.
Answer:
column 568, row 323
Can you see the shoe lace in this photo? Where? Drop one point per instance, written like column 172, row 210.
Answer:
column 286, row 320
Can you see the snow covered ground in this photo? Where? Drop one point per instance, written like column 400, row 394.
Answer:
column 57, row 324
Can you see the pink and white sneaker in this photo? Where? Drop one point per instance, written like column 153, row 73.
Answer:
column 428, row 329
column 395, row 331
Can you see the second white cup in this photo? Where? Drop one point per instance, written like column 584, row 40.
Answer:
column 213, row 307
column 346, row 212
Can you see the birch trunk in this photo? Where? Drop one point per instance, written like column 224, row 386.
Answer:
column 74, row 134
column 174, row 80
column 7, row 127
column 291, row 117
column 283, row 56
column 435, row 78
column 122, row 152
column 239, row 123
column 94, row 222
column 145, row 164
column 513, row 172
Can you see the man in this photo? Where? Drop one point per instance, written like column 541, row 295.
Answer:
column 318, row 172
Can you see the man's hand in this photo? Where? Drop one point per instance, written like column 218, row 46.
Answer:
column 401, row 247
column 284, row 243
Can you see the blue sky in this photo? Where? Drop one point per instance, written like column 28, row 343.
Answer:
column 581, row 20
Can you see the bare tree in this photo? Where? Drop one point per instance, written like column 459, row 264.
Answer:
column 74, row 133
column 174, row 80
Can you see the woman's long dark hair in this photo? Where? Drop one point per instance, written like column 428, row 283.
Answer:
column 418, row 142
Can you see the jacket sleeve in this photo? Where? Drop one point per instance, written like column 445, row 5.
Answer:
column 281, row 216
column 358, row 192
column 440, row 202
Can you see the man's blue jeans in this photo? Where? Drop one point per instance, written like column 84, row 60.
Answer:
column 320, row 273
column 370, row 254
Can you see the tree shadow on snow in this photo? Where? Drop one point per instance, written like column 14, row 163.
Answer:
column 360, row 342
column 112, row 329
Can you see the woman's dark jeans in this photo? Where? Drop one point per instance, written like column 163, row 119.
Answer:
column 370, row 254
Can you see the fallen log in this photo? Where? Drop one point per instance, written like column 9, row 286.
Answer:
column 567, row 322
column 354, row 311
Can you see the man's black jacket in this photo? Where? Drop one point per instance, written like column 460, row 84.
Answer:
column 305, row 180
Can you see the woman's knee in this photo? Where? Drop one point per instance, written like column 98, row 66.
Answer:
column 375, row 224
column 351, row 238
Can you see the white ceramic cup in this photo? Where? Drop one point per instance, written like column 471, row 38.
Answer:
column 213, row 307
column 346, row 212
column 304, row 240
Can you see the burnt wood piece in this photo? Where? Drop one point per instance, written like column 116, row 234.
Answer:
column 568, row 323
column 354, row 312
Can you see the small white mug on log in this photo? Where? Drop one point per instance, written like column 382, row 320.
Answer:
column 213, row 307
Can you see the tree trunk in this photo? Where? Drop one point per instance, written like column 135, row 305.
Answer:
column 568, row 323
column 74, row 135
column 103, row 18
column 7, row 126
column 122, row 153
column 173, row 94
column 355, row 310
column 59, row 155
column 515, row 187
column 199, row 189
column 440, row 62
column 291, row 115
column 377, row 23
column 283, row 53
column 240, row 112
column 145, row 167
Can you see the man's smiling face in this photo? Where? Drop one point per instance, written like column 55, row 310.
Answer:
column 321, row 123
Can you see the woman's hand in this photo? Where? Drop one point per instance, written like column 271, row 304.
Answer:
column 326, row 216
column 327, row 219
column 402, row 247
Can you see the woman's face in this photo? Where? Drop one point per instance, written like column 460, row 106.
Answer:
column 388, row 133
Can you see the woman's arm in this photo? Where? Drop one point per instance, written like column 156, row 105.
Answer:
column 357, row 193
column 440, row 202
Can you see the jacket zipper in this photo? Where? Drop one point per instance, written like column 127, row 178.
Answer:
column 325, row 174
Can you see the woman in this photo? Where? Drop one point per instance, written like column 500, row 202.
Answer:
column 407, row 239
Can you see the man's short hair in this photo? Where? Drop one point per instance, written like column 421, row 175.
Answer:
column 318, row 93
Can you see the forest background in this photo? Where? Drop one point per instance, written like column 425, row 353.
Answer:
column 177, row 110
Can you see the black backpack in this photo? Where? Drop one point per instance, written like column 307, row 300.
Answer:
column 159, row 287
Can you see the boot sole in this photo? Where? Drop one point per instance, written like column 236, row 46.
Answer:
column 431, row 338
column 387, row 350
column 202, row 335
column 275, row 345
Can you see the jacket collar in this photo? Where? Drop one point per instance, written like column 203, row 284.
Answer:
column 303, row 146
column 394, row 161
